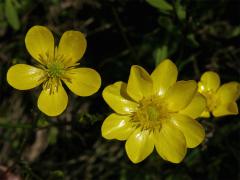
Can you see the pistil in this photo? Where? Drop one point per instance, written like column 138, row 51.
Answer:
column 152, row 112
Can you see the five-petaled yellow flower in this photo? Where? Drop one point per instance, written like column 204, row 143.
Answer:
column 54, row 65
column 154, row 111
column 221, row 100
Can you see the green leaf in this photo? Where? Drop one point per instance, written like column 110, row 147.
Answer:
column 160, row 4
column 42, row 122
column 161, row 54
column 180, row 11
column 191, row 38
column 193, row 158
column 4, row 123
column 1, row 11
column 166, row 23
column 235, row 32
column 52, row 138
column 58, row 174
column 12, row 15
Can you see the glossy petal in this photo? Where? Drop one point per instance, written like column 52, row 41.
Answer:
column 209, row 81
column 170, row 143
column 205, row 114
column 192, row 130
column 72, row 46
column 139, row 145
column 116, row 97
column 226, row 96
column 40, row 43
column 164, row 76
column 23, row 77
column 180, row 95
column 117, row 127
column 196, row 107
column 226, row 109
column 53, row 104
column 228, row 92
column 139, row 83
column 82, row 81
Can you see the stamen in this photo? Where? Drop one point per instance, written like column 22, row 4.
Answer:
column 55, row 70
column 152, row 112
column 52, row 85
column 55, row 67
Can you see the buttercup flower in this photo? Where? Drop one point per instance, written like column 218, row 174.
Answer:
column 54, row 66
column 154, row 111
column 221, row 100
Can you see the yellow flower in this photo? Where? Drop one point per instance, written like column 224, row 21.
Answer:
column 221, row 100
column 154, row 110
column 54, row 65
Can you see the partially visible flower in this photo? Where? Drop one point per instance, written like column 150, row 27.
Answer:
column 54, row 66
column 154, row 111
column 221, row 100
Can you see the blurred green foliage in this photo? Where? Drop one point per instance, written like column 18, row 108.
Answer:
column 11, row 14
column 197, row 35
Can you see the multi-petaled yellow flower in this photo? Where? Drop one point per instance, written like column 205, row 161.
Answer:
column 154, row 111
column 221, row 100
column 54, row 65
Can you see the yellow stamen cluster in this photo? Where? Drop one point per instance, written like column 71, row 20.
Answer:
column 151, row 113
column 55, row 69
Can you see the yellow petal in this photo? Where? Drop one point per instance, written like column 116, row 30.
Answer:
column 53, row 104
column 180, row 94
column 116, row 97
column 196, row 107
column 192, row 130
column 139, row 145
column 23, row 77
column 228, row 92
column 205, row 114
column 164, row 76
column 209, row 81
column 72, row 46
column 170, row 143
column 139, row 83
column 117, row 127
column 226, row 96
column 40, row 43
column 226, row 109
column 82, row 81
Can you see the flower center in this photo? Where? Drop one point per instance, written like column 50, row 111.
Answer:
column 151, row 113
column 54, row 73
column 55, row 70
